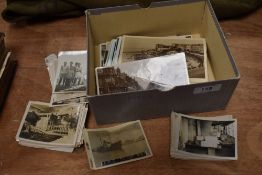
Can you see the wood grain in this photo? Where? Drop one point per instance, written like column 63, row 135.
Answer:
column 32, row 43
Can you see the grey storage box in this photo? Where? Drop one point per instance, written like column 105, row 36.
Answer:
column 166, row 18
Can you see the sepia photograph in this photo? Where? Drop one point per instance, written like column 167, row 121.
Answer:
column 154, row 73
column 68, row 98
column 71, row 73
column 113, row 80
column 137, row 48
column 214, row 138
column 117, row 145
column 51, row 125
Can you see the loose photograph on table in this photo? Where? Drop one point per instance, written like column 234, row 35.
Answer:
column 50, row 125
column 116, row 145
column 71, row 73
column 214, row 138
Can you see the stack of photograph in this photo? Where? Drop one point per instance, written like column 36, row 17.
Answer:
column 7, row 69
column 206, row 138
column 68, row 77
column 107, row 147
column 133, row 63
column 52, row 127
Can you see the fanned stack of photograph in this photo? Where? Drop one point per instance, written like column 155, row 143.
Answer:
column 52, row 127
column 107, row 147
column 125, row 63
column 68, row 77
column 207, row 138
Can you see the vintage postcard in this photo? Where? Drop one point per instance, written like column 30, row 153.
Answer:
column 42, row 124
column 107, row 147
column 204, row 138
column 135, row 48
column 111, row 80
column 154, row 73
column 71, row 73
column 117, row 51
column 104, row 51
column 68, row 98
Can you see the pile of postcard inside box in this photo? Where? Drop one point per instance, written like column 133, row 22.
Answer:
column 132, row 63
column 58, row 125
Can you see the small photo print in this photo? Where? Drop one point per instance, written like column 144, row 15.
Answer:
column 71, row 73
column 68, row 98
column 54, row 125
column 213, row 138
column 117, row 145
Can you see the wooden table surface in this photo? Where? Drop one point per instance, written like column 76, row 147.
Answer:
column 31, row 44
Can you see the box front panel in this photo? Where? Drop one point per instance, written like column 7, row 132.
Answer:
column 152, row 104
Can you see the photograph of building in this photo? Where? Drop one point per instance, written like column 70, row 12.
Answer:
column 213, row 138
column 50, row 124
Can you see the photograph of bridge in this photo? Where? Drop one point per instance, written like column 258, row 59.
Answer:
column 50, row 124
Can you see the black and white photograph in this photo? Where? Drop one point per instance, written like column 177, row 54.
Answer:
column 154, row 73
column 113, row 80
column 104, row 49
column 215, row 138
column 71, row 73
column 137, row 48
column 116, row 145
column 50, row 125
column 68, row 98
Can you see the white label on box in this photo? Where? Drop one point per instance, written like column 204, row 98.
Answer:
column 206, row 89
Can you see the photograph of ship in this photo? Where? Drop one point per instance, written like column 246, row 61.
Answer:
column 212, row 138
column 50, row 124
column 112, row 80
column 194, row 56
column 117, row 145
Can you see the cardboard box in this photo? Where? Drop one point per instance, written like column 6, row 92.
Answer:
column 164, row 18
